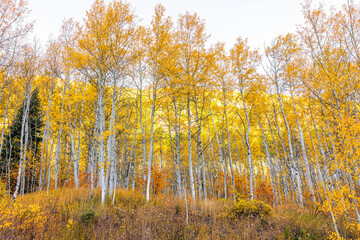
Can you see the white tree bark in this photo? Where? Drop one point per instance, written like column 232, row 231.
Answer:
column 23, row 138
column 151, row 150
column 247, row 140
column 191, row 174
column 111, row 143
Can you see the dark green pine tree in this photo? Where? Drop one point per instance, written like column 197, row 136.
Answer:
column 10, row 154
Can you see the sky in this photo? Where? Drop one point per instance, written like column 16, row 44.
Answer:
column 260, row 21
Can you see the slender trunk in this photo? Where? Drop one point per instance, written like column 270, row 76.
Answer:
column 268, row 156
column 177, row 147
column 92, row 153
column 99, row 130
column 133, row 169
column 73, row 159
column 23, row 140
column 143, row 134
column 228, row 143
column 79, row 135
column 280, row 168
column 48, row 182
column 46, row 134
column 191, row 175
column 303, row 151
column 151, row 150
column 58, row 149
column 111, row 144
column 292, row 159
column 201, row 164
column 247, row 140
column 219, row 146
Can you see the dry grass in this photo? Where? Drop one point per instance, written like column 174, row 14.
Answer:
column 74, row 214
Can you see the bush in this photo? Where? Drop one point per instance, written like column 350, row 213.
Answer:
column 253, row 208
column 88, row 217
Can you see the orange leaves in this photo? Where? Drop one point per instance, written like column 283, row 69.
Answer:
column 158, row 180
column 264, row 192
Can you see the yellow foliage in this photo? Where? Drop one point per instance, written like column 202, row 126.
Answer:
column 21, row 217
column 254, row 208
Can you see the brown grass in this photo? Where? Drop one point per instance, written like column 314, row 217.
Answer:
column 74, row 214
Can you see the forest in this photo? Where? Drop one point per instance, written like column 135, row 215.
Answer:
column 112, row 107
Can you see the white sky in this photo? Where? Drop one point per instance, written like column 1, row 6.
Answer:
column 258, row 20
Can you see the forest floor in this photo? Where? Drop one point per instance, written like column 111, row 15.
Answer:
column 75, row 214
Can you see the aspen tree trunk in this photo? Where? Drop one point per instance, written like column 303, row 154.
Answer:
column 122, row 163
column 292, row 159
column 201, row 164
column 48, row 182
column 177, row 146
column 127, row 179
column 226, row 189
column 72, row 147
column 319, row 174
column 73, row 159
column 79, row 134
column 268, row 156
column 323, row 183
column 22, row 184
column 23, row 139
column 204, row 175
column 209, row 165
column 228, row 143
column 45, row 138
column 58, row 149
column 133, row 168
column 172, row 143
column 111, row 144
column 303, row 151
column 198, row 176
column 219, row 146
column 151, row 150
column 191, row 174
column 92, row 153
column 99, row 129
column 45, row 134
column 331, row 158
column 320, row 144
column 287, row 189
column 57, row 157
column 143, row 137
column 247, row 140
column 279, row 160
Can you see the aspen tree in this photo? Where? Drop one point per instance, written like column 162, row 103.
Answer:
column 158, row 44
column 244, row 63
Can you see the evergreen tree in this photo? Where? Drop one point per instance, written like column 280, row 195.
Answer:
column 10, row 154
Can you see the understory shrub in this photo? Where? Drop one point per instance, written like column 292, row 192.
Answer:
column 252, row 208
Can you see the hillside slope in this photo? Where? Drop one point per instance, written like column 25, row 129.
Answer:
column 74, row 214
